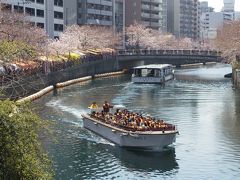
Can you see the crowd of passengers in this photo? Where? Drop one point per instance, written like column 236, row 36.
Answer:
column 132, row 121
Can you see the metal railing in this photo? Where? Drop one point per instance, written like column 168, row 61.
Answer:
column 189, row 52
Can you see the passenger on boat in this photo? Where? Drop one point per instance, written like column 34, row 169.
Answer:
column 106, row 107
column 132, row 121
column 93, row 105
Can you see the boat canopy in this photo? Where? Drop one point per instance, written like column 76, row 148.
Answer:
column 154, row 66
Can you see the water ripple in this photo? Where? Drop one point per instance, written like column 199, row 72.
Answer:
column 200, row 102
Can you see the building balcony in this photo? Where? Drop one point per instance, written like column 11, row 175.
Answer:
column 155, row 8
column 102, row 2
column 106, row 13
column 93, row 11
column 157, row 1
column 155, row 16
column 145, row 23
column 148, row 1
column 146, row 7
column 145, row 15
column 99, row 22
column 155, row 24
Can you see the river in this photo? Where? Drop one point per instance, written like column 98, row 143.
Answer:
column 204, row 106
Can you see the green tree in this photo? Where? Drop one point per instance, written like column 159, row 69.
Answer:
column 21, row 154
column 16, row 50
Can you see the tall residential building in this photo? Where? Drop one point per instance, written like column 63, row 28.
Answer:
column 228, row 8
column 184, row 18
column 47, row 14
column 119, row 20
column 228, row 5
column 54, row 15
column 204, row 8
column 151, row 13
column 109, row 13
column 95, row 12
column 212, row 21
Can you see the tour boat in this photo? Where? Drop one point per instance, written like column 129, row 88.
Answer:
column 148, row 139
column 154, row 73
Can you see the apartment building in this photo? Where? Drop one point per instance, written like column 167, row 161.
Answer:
column 108, row 13
column 151, row 13
column 212, row 21
column 204, row 8
column 47, row 14
column 184, row 18
column 95, row 12
column 228, row 5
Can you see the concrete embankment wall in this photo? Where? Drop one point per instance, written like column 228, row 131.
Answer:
column 27, row 85
column 89, row 68
column 236, row 78
column 66, row 83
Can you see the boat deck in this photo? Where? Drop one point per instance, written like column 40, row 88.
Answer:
column 138, row 124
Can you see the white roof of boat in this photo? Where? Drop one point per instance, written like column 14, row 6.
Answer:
column 153, row 66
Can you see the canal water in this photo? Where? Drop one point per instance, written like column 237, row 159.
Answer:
column 204, row 106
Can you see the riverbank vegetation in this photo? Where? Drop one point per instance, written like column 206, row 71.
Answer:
column 21, row 154
column 228, row 42
column 142, row 37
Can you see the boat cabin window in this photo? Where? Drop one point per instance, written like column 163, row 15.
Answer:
column 152, row 72
column 137, row 72
column 147, row 72
column 157, row 73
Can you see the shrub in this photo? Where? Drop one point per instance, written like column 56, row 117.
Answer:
column 21, row 154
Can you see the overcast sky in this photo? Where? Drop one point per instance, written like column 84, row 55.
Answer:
column 218, row 4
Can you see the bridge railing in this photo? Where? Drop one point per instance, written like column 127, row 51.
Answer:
column 169, row 52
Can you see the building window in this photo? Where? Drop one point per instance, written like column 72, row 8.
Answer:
column 32, row 24
column 58, row 3
column 40, row 25
column 30, row 1
column 30, row 11
column 58, row 27
column 40, row 1
column 58, row 15
column 18, row 9
column 40, row 13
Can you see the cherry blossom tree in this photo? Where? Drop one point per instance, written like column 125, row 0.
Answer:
column 228, row 41
column 76, row 38
column 138, row 36
column 17, row 32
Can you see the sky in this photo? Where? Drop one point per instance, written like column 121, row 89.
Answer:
column 218, row 4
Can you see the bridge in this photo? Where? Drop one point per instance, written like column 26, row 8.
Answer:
column 131, row 58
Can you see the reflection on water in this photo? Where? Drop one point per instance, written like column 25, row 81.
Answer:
column 163, row 161
column 200, row 102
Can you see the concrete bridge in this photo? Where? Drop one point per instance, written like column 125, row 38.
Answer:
column 130, row 58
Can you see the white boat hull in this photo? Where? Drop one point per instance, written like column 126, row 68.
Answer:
column 155, row 80
column 146, row 139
